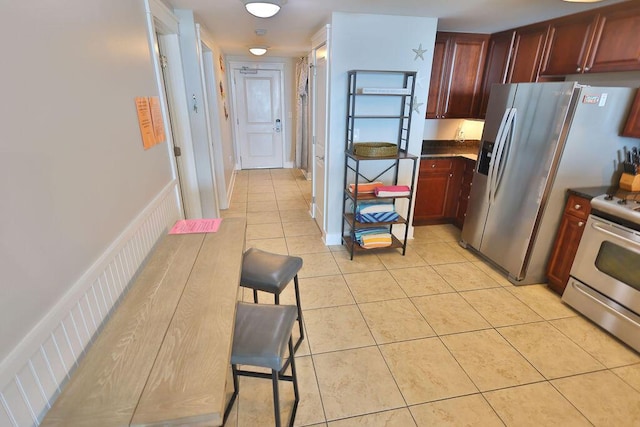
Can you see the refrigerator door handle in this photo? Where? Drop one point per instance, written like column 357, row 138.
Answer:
column 496, row 149
column 511, row 127
column 501, row 140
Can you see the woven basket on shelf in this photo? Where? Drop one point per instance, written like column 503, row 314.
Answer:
column 375, row 149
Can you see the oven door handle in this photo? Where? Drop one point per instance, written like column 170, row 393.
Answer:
column 610, row 230
column 589, row 293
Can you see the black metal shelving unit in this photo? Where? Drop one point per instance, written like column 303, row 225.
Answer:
column 380, row 167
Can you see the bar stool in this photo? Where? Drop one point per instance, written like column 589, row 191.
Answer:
column 268, row 272
column 260, row 338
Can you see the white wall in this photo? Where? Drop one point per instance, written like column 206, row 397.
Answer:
column 73, row 173
column 372, row 42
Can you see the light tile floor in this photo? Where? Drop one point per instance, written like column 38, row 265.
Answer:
column 434, row 338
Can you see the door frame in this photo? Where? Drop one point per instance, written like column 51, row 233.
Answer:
column 161, row 21
column 212, row 113
column 277, row 66
column 320, row 40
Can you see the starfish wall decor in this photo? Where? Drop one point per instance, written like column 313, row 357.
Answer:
column 419, row 52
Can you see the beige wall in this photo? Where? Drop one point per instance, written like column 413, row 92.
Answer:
column 73, row 171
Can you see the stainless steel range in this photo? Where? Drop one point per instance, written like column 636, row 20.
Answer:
column 605, row 276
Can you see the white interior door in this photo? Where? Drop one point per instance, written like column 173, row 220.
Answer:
column 260, row 126
column 319, row 130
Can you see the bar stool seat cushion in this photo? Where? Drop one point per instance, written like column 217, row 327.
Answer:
column 268, row 272
column 261, row 334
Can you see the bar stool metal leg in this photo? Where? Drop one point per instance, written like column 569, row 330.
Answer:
column 236, row 387
column 297, row 291
column 296, row 288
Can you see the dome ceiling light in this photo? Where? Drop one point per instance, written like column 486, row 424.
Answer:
column 258, row 50
column 263, row 8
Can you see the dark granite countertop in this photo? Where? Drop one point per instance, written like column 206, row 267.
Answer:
column 450, row 148
column 591, row 192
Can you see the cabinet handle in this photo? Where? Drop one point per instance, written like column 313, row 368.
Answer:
column 433, row 165
column 451, row 175
column 580, row 223
column 578, row 69
column 586, row 69
column 577, row 207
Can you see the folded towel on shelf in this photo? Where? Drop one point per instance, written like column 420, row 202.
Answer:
column 377, row 217
column 360, row 233
column 392, row 191
column 374, row 207
column 365, row 187
column 371, row 241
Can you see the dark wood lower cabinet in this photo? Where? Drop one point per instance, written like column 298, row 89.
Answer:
column 433, row 192
column 465, row 191
column 567, row 240
column 443, row 191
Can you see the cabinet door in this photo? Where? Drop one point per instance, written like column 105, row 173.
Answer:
column 465, row 191
column 497, row 65
column 564, row 252
column 617, row 37
column 455, row 186
column 456, row 75
column 432, row 191
column 632, row 128
column 463, row 91
column 431, row 199
column 568, row 45
column 438, row 69
column 527, row 54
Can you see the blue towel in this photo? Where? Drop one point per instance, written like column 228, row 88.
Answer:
column 377, row 217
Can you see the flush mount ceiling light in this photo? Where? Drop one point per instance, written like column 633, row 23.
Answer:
column 263, row 8
column 258, row 50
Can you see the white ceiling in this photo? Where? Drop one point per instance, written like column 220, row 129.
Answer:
column 289, row 32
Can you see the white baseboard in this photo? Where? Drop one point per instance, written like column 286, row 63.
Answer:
column 32, row 374
column 333, row 239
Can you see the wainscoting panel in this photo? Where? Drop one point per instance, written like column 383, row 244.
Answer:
column 33, row 374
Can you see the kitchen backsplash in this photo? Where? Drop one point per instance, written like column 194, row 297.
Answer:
column 453, row 129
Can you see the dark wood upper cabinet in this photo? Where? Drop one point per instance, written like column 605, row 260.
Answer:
column 616, row 43
column 632, row 128
column 456, row 75
column 528, row 47
column 568, row 45
column 465, row 66
column 497, row 65
column 437, row 77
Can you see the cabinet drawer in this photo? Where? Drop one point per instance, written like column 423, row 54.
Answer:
column 435, row 165
column 578, row 207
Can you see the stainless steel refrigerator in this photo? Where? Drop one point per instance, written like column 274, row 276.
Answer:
column 539, row 139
